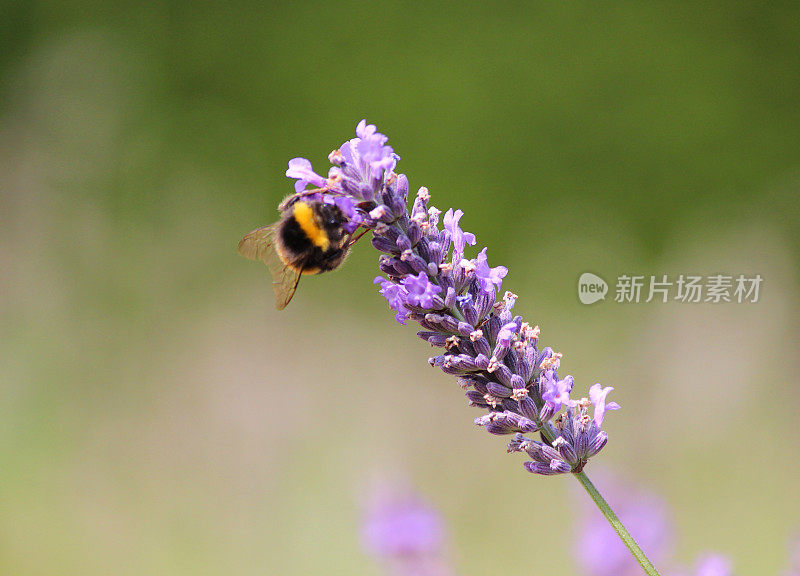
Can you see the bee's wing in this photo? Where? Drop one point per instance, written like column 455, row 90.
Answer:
column 260, row 245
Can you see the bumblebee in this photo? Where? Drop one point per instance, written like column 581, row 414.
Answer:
column 308, row 239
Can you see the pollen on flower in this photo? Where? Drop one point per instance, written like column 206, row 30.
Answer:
column 379, row 212
column 492, row 401
column 510, row 299
column 529, row 333
column 335, row 157
column 468, row 265
column 552, row 362
column 452, row 342
column 519, row 394
column 476, row 335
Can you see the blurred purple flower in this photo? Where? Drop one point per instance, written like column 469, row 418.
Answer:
column 427, row 278
column 405, row 533
column 403, row 526
column 599, row 550
column 713, row 565
column 793, row 565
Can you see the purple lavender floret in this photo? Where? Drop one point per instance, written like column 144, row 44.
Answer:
column 421, row 292
column 428, row 278
column 459, row 237
column 301, row 169
column 395, row 294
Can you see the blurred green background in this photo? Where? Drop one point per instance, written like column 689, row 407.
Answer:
column 159, row 417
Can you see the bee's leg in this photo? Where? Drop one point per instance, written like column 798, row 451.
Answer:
column 352, row 240
column 292, row 198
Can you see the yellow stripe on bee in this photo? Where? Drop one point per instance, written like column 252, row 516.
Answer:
column 308, row 223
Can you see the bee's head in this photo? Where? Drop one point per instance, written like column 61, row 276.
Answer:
column 332, row 221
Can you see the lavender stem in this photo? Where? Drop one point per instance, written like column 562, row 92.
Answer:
column 616, row 524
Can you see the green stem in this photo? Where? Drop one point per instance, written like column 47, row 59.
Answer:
column 624, row 535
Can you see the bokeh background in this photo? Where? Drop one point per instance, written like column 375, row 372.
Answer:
column 157, row 416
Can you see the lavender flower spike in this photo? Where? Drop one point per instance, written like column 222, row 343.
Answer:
column 428, row 278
